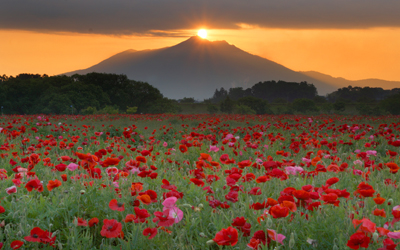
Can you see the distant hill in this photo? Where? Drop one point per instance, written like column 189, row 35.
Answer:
column 196, row 67
column 340, row 82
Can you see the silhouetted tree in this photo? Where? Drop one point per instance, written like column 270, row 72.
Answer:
column 227, row 105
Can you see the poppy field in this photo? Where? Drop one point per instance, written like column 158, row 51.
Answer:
column 199, row 182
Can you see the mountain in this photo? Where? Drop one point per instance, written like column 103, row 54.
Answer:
column 196, row 67
column 340, row 82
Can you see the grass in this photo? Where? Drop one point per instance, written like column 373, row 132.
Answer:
column 57, row 210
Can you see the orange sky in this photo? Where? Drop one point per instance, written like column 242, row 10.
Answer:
column 350, row 53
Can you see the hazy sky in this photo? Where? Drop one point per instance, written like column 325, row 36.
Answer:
column 353, row 39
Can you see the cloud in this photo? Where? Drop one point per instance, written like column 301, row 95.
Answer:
column 168, row 17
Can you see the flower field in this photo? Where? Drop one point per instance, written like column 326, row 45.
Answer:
column 199, row 182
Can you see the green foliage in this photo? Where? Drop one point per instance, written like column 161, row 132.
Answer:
column 319, row 99
column 212, row 109
column 339, row 106
column 109, row 110
column 391, row 104
column 258, row 105
column 269, row 90
column 219, row 95
column 367, row 109
column 131, row 110
column 33, row 94
column 361, row 94
column 327, row 107
column 163, row 105
column 227, row 105
column 89, row 111
column 187, row 100
column 303, row 105
column 243, row 109
column 284, row 110
column 280, row 101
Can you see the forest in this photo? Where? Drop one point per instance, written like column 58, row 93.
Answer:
column 111, row 93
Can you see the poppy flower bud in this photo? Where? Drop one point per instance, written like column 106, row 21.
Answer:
column 59, row 245
column 375, row 236
column 202, row 235
column 390, row 201
column 55, row 233
column 291, row 241
column 82, row 191
column 200, row 205
column 210, row 242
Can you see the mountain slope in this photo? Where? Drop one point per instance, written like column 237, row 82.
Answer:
column 196, row 67
column 340, row 82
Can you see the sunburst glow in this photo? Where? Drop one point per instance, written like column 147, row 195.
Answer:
column 202, row 33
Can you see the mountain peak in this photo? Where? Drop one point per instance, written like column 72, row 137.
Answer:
column 196, row 40
column 196, row 66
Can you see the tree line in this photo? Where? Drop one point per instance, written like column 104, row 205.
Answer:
column 93, row 92
column 291, row 97
column 112, row 93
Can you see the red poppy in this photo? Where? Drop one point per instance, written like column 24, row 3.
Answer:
column 291, row 205
column 150, row 232
column 34, row 184
column 365, row 190
column 262, row 179
column 301, row 194
column 39, row 235
column 244, row 164
column 152, row 194
column 16, row 244
column 313, row 206
column 232, row 196
column 331, row 181
column 53, row 184
column 258, row 205
column 279, row 211
column 366, row 226
column 394, row 168
column 64, row 177
column 379, row 200
column 241, row 224
column 258, row 238
column 141, row 159
column 255, row 191
column 331, row 198
column 81, row 222
column 358, row 240
column 145, row 198
column 2, row 210
column 183, row 148
column 163, row 219
column 388, row 244
column 110, row 162
column 93, row 222
column 141, row 215
column 197, row 182
column 226, row 237
column 61, row 167
column 111, row 228
column 379, row 212
column 115, row 205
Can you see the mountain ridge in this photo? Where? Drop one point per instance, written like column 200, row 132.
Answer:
column 196, row 67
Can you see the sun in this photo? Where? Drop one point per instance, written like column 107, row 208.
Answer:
column 202, row 33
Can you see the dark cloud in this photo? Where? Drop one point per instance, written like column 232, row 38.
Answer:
column 159, row 17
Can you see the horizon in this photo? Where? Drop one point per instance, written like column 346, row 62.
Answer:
column 354, row 48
